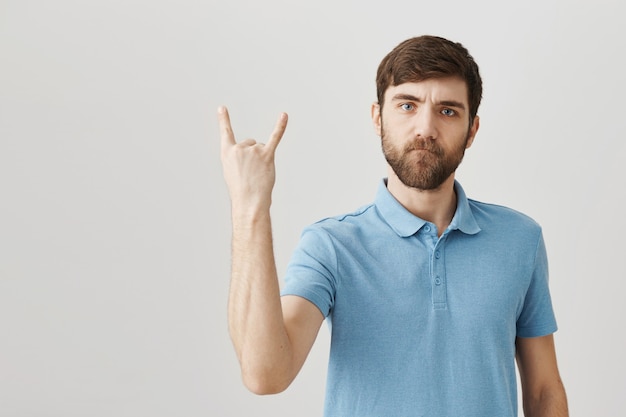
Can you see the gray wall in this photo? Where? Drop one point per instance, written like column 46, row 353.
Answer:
column 114, row 219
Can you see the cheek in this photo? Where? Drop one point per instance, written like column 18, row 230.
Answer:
column 460, row 135
column 397, row 125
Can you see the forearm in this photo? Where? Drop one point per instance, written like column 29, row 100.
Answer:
column 255, row 315
column 550, row 403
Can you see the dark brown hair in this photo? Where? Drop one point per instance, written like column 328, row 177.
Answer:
column 425, row 57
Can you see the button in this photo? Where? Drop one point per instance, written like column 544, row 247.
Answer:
column 427, row 228
column 437, row 280
column 437, row 254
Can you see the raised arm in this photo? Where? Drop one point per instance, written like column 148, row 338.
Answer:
column 271, row 338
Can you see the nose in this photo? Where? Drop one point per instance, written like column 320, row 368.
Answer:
column 425, row 123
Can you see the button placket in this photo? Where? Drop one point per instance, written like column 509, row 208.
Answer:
column 438, row 275
column 435, row 245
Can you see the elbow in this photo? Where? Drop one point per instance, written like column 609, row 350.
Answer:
column 551, row 398
column 265, row 382
column 263, row 388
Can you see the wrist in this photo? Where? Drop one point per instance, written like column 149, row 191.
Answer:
column 249, row 213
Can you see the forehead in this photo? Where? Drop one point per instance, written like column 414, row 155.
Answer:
column 432, row 89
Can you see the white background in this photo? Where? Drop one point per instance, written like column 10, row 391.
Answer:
column 114, row 219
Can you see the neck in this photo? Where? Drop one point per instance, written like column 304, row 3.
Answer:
column 436, row 206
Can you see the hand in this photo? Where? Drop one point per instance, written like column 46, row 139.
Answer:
column 249, row 168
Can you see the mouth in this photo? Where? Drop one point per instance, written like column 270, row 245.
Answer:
column 421, row 151
column 422, row 157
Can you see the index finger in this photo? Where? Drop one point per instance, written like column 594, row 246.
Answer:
column 226, row 131
column 279, row 130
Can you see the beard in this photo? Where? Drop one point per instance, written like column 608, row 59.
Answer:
column 422, row 163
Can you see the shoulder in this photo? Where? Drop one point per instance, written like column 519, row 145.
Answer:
column 356, row 225
column 505, row 222
column 496, row 212
column 361, row 216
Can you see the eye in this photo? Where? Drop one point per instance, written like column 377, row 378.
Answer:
column 407, row 106
column 448, row 112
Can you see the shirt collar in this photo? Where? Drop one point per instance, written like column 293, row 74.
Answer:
column 405, row 224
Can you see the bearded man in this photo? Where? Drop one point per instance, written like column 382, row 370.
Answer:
column 432, row 298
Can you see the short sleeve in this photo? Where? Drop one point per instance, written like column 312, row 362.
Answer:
column 312, row 270
column 537, row 316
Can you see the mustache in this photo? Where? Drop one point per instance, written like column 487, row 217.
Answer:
column 421, row 144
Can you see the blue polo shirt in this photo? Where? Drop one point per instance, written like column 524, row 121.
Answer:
column 423, row 325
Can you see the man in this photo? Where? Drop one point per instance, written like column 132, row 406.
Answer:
column 431, row 297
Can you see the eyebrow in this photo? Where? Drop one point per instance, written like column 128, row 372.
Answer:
column 449, row 103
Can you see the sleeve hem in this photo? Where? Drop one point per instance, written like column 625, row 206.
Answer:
column 537, row 331
column 311, row 297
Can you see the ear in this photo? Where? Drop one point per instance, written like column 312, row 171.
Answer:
column 376, row 118
column 472, row 132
